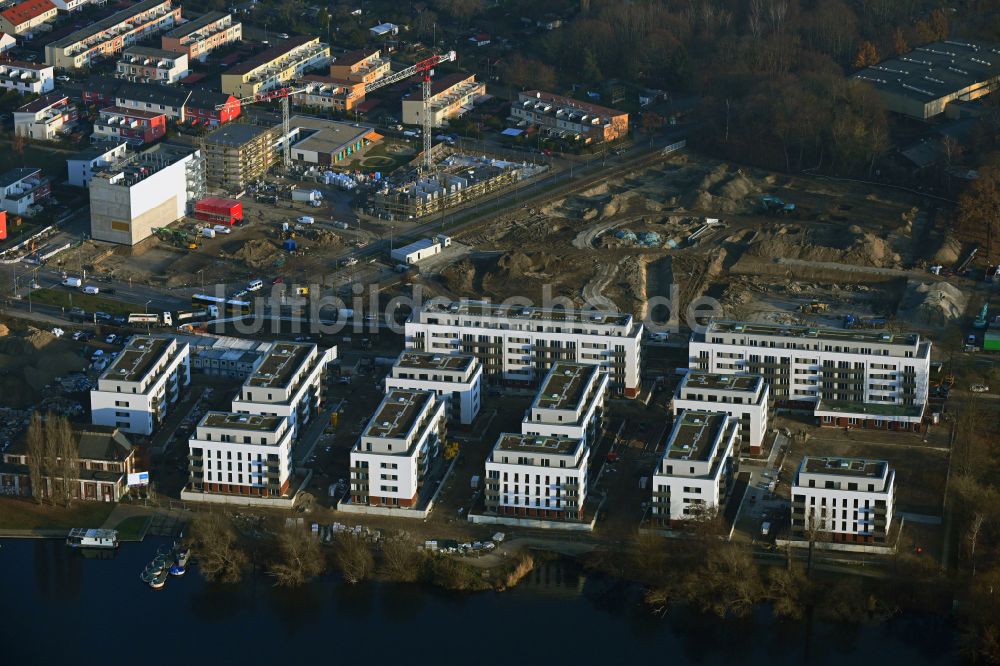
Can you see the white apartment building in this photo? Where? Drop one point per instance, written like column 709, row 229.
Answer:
column 241, row 455
column 46, row 118
column 286, row 382
column 135, row 393
column 846, row 499
column 148, row 65
column 518, row 344
column 850, row 378
column 570, row 403
column 744, row 397
column 456, row 380
column 693, row 476
column 26, row 77
column 537, row 476
column 397, row 451
column 82, row 166
column 22, row 190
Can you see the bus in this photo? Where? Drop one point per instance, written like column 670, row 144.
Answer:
column 224, row 305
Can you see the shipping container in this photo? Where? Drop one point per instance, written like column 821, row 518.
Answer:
column 219, row 211
column 3, row 225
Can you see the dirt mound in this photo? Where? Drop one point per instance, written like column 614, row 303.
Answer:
column 932, row 303
column 949, row 252
column 257, row 253
column 4, row 331
column 459, row 277
column 538, row 265
column 324, row 238
column 29, row 362
column 851, row 246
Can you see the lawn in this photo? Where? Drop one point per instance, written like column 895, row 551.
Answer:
column 51, row 160
column 25, row 514
column 67, row 298
column 131, row 529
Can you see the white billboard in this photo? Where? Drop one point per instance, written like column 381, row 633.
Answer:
column 138, row 479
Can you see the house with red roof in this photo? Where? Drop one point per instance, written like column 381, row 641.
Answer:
column 23, row 17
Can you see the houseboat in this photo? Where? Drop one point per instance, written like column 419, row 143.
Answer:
column 82, row 537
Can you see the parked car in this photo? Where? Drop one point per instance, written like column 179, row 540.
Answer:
column 979, row 388
column 103, row 316
column 305, row 219
column 110, row 339
column 63, row 77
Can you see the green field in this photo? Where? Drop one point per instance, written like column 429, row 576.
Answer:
column 66, row 298
column 131, row 529
column 25, row 514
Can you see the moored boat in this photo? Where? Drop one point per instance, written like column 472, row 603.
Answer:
column 82, row 537
column 159, row 580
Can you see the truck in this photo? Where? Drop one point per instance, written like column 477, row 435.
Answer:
column 209, row 312
column 72, row 282
column 852, row 322
column 151, row 318
column 307, row 196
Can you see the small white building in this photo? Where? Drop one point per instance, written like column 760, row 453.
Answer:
column 21, row 190
column 136, row 391
column 286, row 382
column 456, row 380
column 570, row 403
column 844, row 499
column 45, row 118
column 741, row 396
column 420, row 250
column 241, row 455
column 26, row 77
column 693, row 477
column 537, row 476
column 397, row 450
column 81, row 167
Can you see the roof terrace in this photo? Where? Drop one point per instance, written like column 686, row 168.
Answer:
column 486, row 309
column 845, row 466
column 247, row 422
column 564, row 386
column 537, row 444
column 717, row 382
column 137, row 359
column 280, row 364
column 418, row 360
column 397, row 413
column 813, row 332
column 694, row 435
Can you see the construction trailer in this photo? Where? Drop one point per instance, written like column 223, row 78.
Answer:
column 219, row 211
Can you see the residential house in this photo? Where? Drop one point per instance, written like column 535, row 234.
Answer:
column 199, row 37
column 84, row 164
column 45, row 118
column 24, row 17
column 22, row 189
column 26, row 77
column 144, row 64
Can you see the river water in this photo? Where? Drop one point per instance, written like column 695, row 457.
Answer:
column 62, row 606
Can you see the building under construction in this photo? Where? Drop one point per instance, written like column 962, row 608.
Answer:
column 238, row 154
column 457, row 179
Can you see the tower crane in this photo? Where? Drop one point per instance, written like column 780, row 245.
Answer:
column 425, row 68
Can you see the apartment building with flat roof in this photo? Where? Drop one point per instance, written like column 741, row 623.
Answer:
column 569, row 403
column 286, row 382
column 136, row 128
column 361, row 66
column 275, row 67
column 110, row 36
column 694, row 475
column 456, row 380
column 398, row 449
column 319, row 91
column 200, row 36
column 843, row 499
column 22, row 190
column 451, row 97
column 517, row 344
column 568, row 118
column 136, row 391
column 240, row 455
column 144, row 64
column 537, row 476
column 26, row 77
column 238, row 154
column 744, row 397
column 46, row 118
column 849, row 378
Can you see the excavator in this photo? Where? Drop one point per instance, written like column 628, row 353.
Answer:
column 815, row 307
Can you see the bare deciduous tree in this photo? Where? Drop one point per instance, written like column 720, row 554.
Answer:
column 401, row 561
column 67, row 458
column 213, row 540
column 36, row 456
column 354, row 559
column 299, row 558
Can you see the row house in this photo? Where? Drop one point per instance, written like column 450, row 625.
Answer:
column 199, row 37
column 204, row 107
column 24, row 17
column 26, row 77
column 145, row 64
column 327, row 93
column 568, row 118
column 275, row 67
column 362, row 66
column 45, row 118
column 134, row 127
column 451, row 97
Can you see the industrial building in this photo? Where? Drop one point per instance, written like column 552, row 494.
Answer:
column 199, row 37
column 924, row 82
column 567, row 118
column 517, row 344
column 850, row 378
column 152, row 189
column 275, row 67
column 25, row 18
column 135, row 392
column 145, row 64
column 240, row 455
column 84, row 164
column 456, row 380
column 744, row 397
column 696, row 470
column 26, row 77
column 21, row 190
column 110, row 36
column 327, row 142
column 451, row 97
column 286, row 383
column 843, row 499
column 46, row 118
column 238, row 154
column 398, row 450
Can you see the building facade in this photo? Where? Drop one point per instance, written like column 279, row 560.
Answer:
column 744, row 397
column 237, row 154
column 276, row 67
column 21, row 190
column 456, row 380
column 136, row 128
column 568, row 118
column 518, row 344
column 398, row 450
column 199, row 37
column 105, row 459
column 110, row 36
column 82, row 166
column 287, row 383
column 849, row 378
column 363, row 66
column 143, row 64
column 535, row 476
column 693, row 478
column 451, row 97
column 241, row 455
column 153, row 97
column 46, row 118
column 329, row 94
column 26, row 77
column 210, row 108
column 843, row 499
column 129, row 200
column 25, row 17
column 135, row 393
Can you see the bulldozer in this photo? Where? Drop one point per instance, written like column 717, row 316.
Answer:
column 814, row 307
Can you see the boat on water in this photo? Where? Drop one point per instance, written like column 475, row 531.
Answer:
column 159, row 580
column 177, row 570
column 182, row 555
column 82, row 537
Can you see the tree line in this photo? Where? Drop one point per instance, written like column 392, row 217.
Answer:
column 53, row 458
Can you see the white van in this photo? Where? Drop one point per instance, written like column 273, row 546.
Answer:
column 72, row 282
column 255, row 285
column 91, row 289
